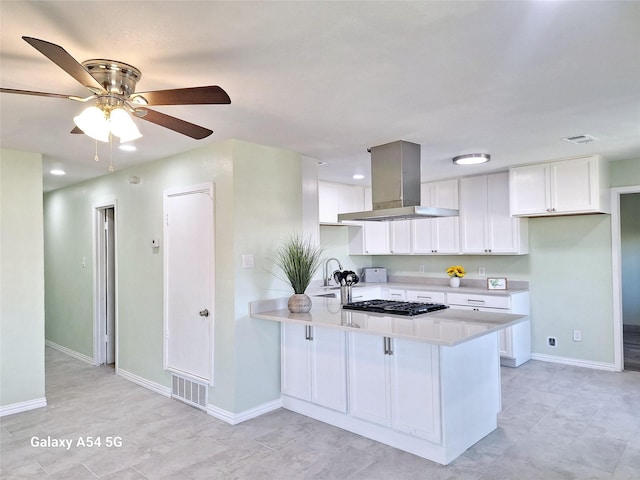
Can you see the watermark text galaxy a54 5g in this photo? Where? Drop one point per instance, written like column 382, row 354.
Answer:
column 85, row 441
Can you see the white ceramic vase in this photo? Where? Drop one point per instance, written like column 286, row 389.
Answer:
column 454, row 282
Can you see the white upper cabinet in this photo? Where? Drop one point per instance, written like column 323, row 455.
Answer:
column 372, row 238
column 437, row 235
column 369, row 238
column 565, row 187
column 485, row 223
column 400, row 236
column 335, row 198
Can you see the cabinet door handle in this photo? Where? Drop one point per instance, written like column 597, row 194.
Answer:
column 387, row 346
column 308, row 333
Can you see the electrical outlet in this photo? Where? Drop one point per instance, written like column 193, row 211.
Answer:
column 482, row 272
column 577, row 336
column 421, row 269
column 551, row 342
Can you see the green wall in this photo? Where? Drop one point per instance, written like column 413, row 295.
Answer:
column 251, row 216
column 625, row 173
column 21, row 278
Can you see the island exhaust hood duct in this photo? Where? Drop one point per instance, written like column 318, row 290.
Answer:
column 395, row 186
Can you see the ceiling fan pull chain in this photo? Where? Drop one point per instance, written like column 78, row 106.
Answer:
column 96, row 158
column 111, row 169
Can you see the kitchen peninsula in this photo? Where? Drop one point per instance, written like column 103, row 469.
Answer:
column 427, row 384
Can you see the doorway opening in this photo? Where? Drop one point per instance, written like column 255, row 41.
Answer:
column 105, row 298
column 625, row 228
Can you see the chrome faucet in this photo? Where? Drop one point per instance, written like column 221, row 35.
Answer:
column 327, row 276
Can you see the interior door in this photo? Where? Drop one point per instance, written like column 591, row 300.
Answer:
column 110, row 284
column 189, row 273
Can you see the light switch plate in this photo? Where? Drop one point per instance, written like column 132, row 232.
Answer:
column 248, row 260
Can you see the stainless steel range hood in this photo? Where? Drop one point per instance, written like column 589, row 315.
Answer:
column 395, row 186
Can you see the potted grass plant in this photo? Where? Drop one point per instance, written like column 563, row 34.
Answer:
column 298, row 258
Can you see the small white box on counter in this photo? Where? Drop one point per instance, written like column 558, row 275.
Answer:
column 374, row 275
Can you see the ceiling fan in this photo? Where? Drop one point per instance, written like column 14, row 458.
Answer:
column 112, row 85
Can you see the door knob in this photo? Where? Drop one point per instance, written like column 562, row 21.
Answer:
column 204, row 313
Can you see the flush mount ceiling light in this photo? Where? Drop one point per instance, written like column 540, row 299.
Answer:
column 57, row 171
column 472, row 159
column 358, row 176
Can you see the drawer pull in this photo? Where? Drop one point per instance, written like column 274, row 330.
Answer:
column 471, row 300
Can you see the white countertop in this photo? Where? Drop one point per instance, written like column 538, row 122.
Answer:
column 445, row 327
column 468, row 287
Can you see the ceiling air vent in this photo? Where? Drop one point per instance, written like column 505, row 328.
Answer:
column 581, row 139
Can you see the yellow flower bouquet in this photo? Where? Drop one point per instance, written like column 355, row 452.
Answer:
column 456, row 271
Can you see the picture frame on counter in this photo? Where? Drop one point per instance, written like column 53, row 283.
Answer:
column 496, row 283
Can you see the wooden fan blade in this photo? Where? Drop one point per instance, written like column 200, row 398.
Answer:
column 172, row 123
column 31, row 92
column 186, row 96
column 65, row 61
column 77, row 130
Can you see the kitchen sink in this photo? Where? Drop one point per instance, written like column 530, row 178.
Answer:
column 330, row 292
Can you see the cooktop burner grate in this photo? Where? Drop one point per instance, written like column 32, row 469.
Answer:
column 394, row 307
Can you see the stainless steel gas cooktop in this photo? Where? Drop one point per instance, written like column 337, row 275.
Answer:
column 394, row 307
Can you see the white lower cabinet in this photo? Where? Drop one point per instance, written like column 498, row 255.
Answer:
column 360, row 294
column 314, row 365
column 395, row 383
column 424, row 296
column 515, row 341
column 393, row 294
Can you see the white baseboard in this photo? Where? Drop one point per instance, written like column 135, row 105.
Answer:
column 72, row 353
column 23, row 406
column 235, row 418
column 574, row 362
column 143, row 382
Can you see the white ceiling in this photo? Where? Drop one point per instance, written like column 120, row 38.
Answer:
column 329, row 79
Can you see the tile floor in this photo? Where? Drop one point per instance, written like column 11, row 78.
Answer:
column 558, row 422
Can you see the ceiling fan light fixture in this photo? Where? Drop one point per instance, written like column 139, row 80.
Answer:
column 472, row 159
column 93, row 122
column 123, row 126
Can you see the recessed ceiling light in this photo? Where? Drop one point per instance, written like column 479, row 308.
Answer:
column 127, row 148
column 358, row 176
column 472, row 159
column 57, row 171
